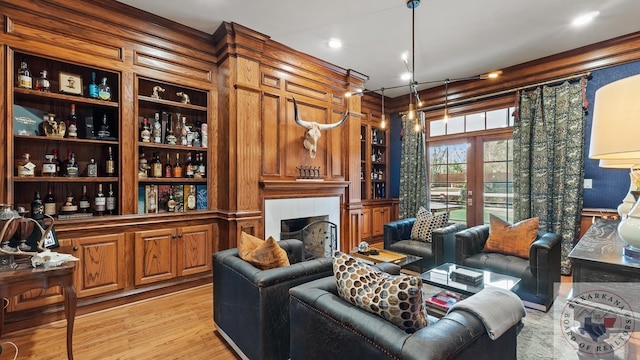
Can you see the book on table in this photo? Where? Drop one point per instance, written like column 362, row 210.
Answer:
column 443, row 300
column 467, row 276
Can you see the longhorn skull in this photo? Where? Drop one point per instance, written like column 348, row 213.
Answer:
column 313, row 129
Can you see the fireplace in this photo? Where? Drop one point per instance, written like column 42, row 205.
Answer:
column 277, row 210
column 319, row 236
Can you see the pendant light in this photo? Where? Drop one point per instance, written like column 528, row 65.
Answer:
column 383, row 118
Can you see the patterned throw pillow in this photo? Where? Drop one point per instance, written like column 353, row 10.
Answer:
column 511, row 239
column 396, row 298
column 263, row 254
column 425, row 223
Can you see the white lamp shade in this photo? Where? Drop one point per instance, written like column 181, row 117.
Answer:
column 616, row 116
column 619, row 163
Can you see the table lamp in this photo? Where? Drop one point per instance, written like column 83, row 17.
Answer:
column 616, row 116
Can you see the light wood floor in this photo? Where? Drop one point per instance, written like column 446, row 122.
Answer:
column 175, row 326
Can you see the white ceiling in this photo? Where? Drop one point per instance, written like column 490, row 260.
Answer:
column 454, row 39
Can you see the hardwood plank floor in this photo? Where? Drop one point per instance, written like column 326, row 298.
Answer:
column 174, row 326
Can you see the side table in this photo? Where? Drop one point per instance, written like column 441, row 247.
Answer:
column 24, row 278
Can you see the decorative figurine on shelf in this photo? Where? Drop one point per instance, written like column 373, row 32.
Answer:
column 184, row 98
column 52, row 128
column 156, row 92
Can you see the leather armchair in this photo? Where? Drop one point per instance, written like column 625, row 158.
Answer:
column 397, row 237
column 324, row 326
column 538, row 274
column 251, row 306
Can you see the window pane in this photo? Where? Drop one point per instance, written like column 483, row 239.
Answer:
column 511, row 116
column 498, row 187
column 497, row 119
column 496, row 150
column 475, row 122
column 437, row 128
column 455, row 125
column 448, row 180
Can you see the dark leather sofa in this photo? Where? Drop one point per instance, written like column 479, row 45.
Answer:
column 324, row 326
column 397, row 237
column 538, row 274
column 251, row 306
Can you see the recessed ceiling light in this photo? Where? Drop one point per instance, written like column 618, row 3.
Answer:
column 406, row 76
column 335, row 43
column 585, row 18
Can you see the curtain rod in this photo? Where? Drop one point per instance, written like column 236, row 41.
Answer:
column 502, row 92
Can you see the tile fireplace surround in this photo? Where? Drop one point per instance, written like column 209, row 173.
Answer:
column 276, row 210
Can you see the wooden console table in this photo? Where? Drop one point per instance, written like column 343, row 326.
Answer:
column 24, row 278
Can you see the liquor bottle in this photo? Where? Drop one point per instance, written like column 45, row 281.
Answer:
column 69, row 206
column 104, row 91
column 72, row 123
column 110, row 164
column 196, row 135
column 177, row 168
column 177, row 131
column 72, row 166
column 204, row 135
column 202, row 167
column 190, row 204
column 171, row 203
column 168, row 169
column 171, row 139
column 49, row 166
column 25, row 167
column 100, row 201
column 92, row 168
column 145, row 133
column 188, row 167
column 111, row 201
column 24, row 76
column 56, row 160
column 42, row 83
column 50, row 207
column 156, row 167
column 83, row 203
column 186, row 135
column 94, row 91
column 104, row 131
column 157, row 130
column 152, row 196
column 37, row 207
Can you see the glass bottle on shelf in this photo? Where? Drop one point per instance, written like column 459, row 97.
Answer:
column 100, row 201
column 111, row 201
column 188, row 167
column 171, row 203
column 72, row 123
column 184, row 132
column 145, row 132
column 92, row 168
column 94, row 91
column 26, row 168
column 152, row 197
column 24, row 76
column 104, row 91
column 143, row 166
column 49, row 167
column 156, row 167
column 58, row 163
column 42, row 83
column 202, row 167
column 50, row 207
column 204, row 135
column 168, row 168
column 171, row 139
column 157, row 130
column 191, row 198
column 72, row 166
column 37, row 207
column 69, row 206
column 104, row 131
column 177, row 168
column 83, row 203
column 110, row 164
column 196, row 135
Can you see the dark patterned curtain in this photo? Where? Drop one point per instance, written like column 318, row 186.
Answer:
column 413, row 170
column 548, row 141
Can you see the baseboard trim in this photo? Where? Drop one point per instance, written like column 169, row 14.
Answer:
column 230, row 342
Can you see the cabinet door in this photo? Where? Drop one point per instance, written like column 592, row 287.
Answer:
column 381, row 215
column 365, row 225
column 102, row 266
column 194, row 249
column 155, row 255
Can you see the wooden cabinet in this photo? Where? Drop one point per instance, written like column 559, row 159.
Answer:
column 164, row 254
column 380, row 215
column 101, row 268
column 365, row 230
column 374, row 158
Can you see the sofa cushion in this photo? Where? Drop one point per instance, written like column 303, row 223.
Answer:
column 396, row 298
column 263, row 254
column 426, row 223
column 511, row 239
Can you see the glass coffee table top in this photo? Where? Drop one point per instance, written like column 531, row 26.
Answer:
column 441, row 277
column 403, row 259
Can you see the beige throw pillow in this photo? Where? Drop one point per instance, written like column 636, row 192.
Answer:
column 425, row 224
column 511, row 239
column 263, row 254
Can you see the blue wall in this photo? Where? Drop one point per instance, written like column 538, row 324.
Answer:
column 609, row 185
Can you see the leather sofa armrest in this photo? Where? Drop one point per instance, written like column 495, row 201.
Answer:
column 441, row 237
column 543, row 250
column 470, row 241
column 397, row 230
column 294, row 249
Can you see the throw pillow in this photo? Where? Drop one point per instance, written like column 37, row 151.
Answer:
column 263, row 254
column 396, row 298
column 511, row 239
column 425, row 223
